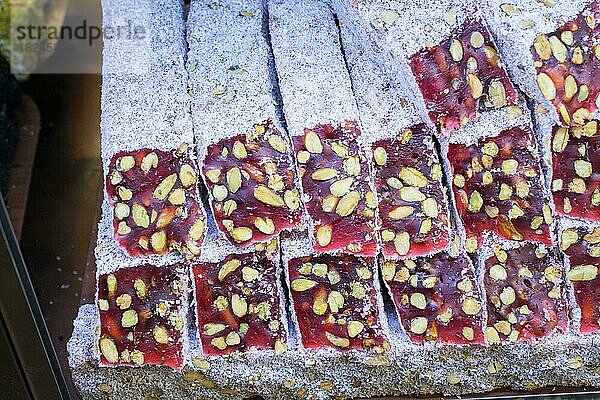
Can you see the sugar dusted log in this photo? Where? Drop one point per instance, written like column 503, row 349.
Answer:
column 498, row 187
column 526, row 294
column 247, row 164
column 142, row 316
column 335, row 299
column 581, row 243
column 551, row 50
column 323, row 122
column 239, row 306
column 576, row 170
column 155, row 201
column 152, row 205
column 412, row 202
column 462, row 75
column 438, row 298
column 450, row 50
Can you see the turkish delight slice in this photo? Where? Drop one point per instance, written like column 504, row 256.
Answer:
column 247, row 159
column 413, row 209
column 155, row 201
column 335, row 299
column 238, row 302
column 142, row 316
column 576, row 170
column 322, row 116
column 567, row 62
column 335, row 175
column 252, row 181
column 581, row 244
column 498, row 187
column 462, row 75
column 525, row 292
column 437, row 298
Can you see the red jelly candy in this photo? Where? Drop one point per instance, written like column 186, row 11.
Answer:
column 413, row 208
column 568, row 65
column 252, row 183
column 156, row 206
column 335, row 178
column 462, row 75
column 142, row 316
column 525, row 293
column 498, row 187
column 437, row 298
column 335, row 302
column 582, row 246
column 576, row 170
column 238, row 304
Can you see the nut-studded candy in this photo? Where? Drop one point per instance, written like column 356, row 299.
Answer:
column 462, row 75
column 498, row 187
column 413, row 208
column 252, row 183
column 567, row 62
column 582, row 246
column 142, row 316
column 335, row 178
column 335, row 302
column 238, row 303
column 526, row 293
column 576, row 170
column 155, row 201
column 437, row 298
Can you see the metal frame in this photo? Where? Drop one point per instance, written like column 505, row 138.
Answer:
column 23, row 322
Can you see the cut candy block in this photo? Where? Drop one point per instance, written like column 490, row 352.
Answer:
column 576, row 171
column 142, row 316
column 335, row 301
column 438, row 298
column 252, row 181
column 155, row 202
column 498, row 187
column 247, row 159
column 582, row 246
column 567, row 62
column 525, row 292
column 413, row 208
column 322, row 117
column 238, row 303
column 335, row 177
column 462, row 75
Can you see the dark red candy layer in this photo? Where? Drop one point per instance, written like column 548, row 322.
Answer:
column 576, row 170
column 462, row 75
column 413, row 208
column 155, row 202
column 238, row 304
column 525, row 294
column 582, row 246
column 142, row 313
column 437, row 298
column 498, row 187
column 335, row 302
column 568, row 65
column 252, row 182
column 335, row 179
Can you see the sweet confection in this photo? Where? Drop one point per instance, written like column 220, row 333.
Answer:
column 386, row 214
column 247, row 160
column 526, row 295
column 155, row 202
column 580, row 243
column 437, row 298
column 142, row 316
